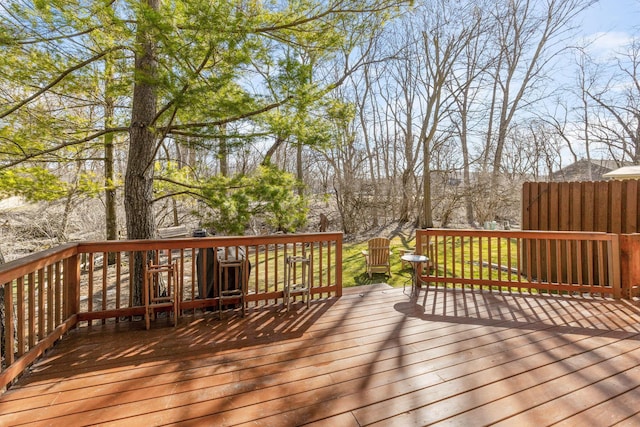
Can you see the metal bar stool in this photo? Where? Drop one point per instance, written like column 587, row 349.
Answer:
column 303, row 287
column 159, row 292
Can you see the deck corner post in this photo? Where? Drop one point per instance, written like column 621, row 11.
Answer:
column 8, row 327
column 629, row 264
column 72, row 286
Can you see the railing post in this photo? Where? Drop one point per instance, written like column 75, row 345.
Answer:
column 339, row 266
column 9, row 329
column 72, row 286
column 629, row 263
column 615, row 264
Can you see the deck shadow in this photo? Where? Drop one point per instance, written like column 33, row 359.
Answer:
column 565, row 315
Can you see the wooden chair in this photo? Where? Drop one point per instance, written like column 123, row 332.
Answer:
column 161, row 289
column 377, row 256
column 232, row 283
column 293, row 286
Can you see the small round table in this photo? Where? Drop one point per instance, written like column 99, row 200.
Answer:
column 415, row 261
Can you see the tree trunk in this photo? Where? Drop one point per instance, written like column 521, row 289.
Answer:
column 111, row 220
column 468, row 204
column 426, row 197
column 299, row 169
column 138, row 185
column 68, row 204
column 403, row 216
column 370, row 154
column 223, row 152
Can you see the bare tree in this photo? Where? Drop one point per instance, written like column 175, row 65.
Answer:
column 616, row 107
column 444, row 44
column 529, row 37
column 470, row 80
column 347, row 161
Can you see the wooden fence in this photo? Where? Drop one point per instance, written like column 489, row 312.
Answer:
column 50, row 292
column 606, row 206
column 601, row 206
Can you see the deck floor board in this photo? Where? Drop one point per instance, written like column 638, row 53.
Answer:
column 371, row 357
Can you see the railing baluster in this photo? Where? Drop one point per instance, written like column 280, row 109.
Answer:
column 471, row 258
column 492, row 265
column 193, row 275
column 579, row 266
column 454, row 271
column 519, row 261
column 538, row 246
column 500, row 265
column 276, row 264
column 90, row 285
column 509, row 263
column 31, row 304
column 50, row 294
column 591, row 273
column 570, row 264
column 256, row 252
column 331, row 280
column 547, row 254
column 269, row 264
column 130, row 282
column 481, row 257
column 602, row 281
column 58, row 294
column 105, row 268
column 181, row 274
column 445, row 249
column 20, row 306
column 118, row 283
column 40, row 309
column 558, row 256
column 321, row 266
column 463, row 258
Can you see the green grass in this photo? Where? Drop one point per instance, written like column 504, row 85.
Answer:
column 354, row 271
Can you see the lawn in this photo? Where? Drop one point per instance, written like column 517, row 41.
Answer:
column 460, row 265
column 354, row 271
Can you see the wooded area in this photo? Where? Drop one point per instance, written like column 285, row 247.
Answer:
column 241, row 115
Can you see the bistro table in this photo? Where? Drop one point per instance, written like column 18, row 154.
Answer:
column 415, row 261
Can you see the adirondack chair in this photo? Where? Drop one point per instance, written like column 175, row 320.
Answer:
column 377, row 256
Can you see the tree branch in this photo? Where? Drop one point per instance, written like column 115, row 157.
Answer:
column 58, row 80
column 30, row 156
column 231, row 119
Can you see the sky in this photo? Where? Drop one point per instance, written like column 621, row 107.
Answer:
column 609, row 24
column 613, row 20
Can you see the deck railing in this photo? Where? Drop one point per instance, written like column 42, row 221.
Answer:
column 550, row 262
column 48, row 293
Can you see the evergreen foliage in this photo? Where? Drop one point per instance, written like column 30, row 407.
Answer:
column 212, row 77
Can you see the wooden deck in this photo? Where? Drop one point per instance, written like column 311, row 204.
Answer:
column 372, row 357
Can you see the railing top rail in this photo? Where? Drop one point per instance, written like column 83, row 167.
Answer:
column 204, row 242
column 527, row 234
column 22, row 266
